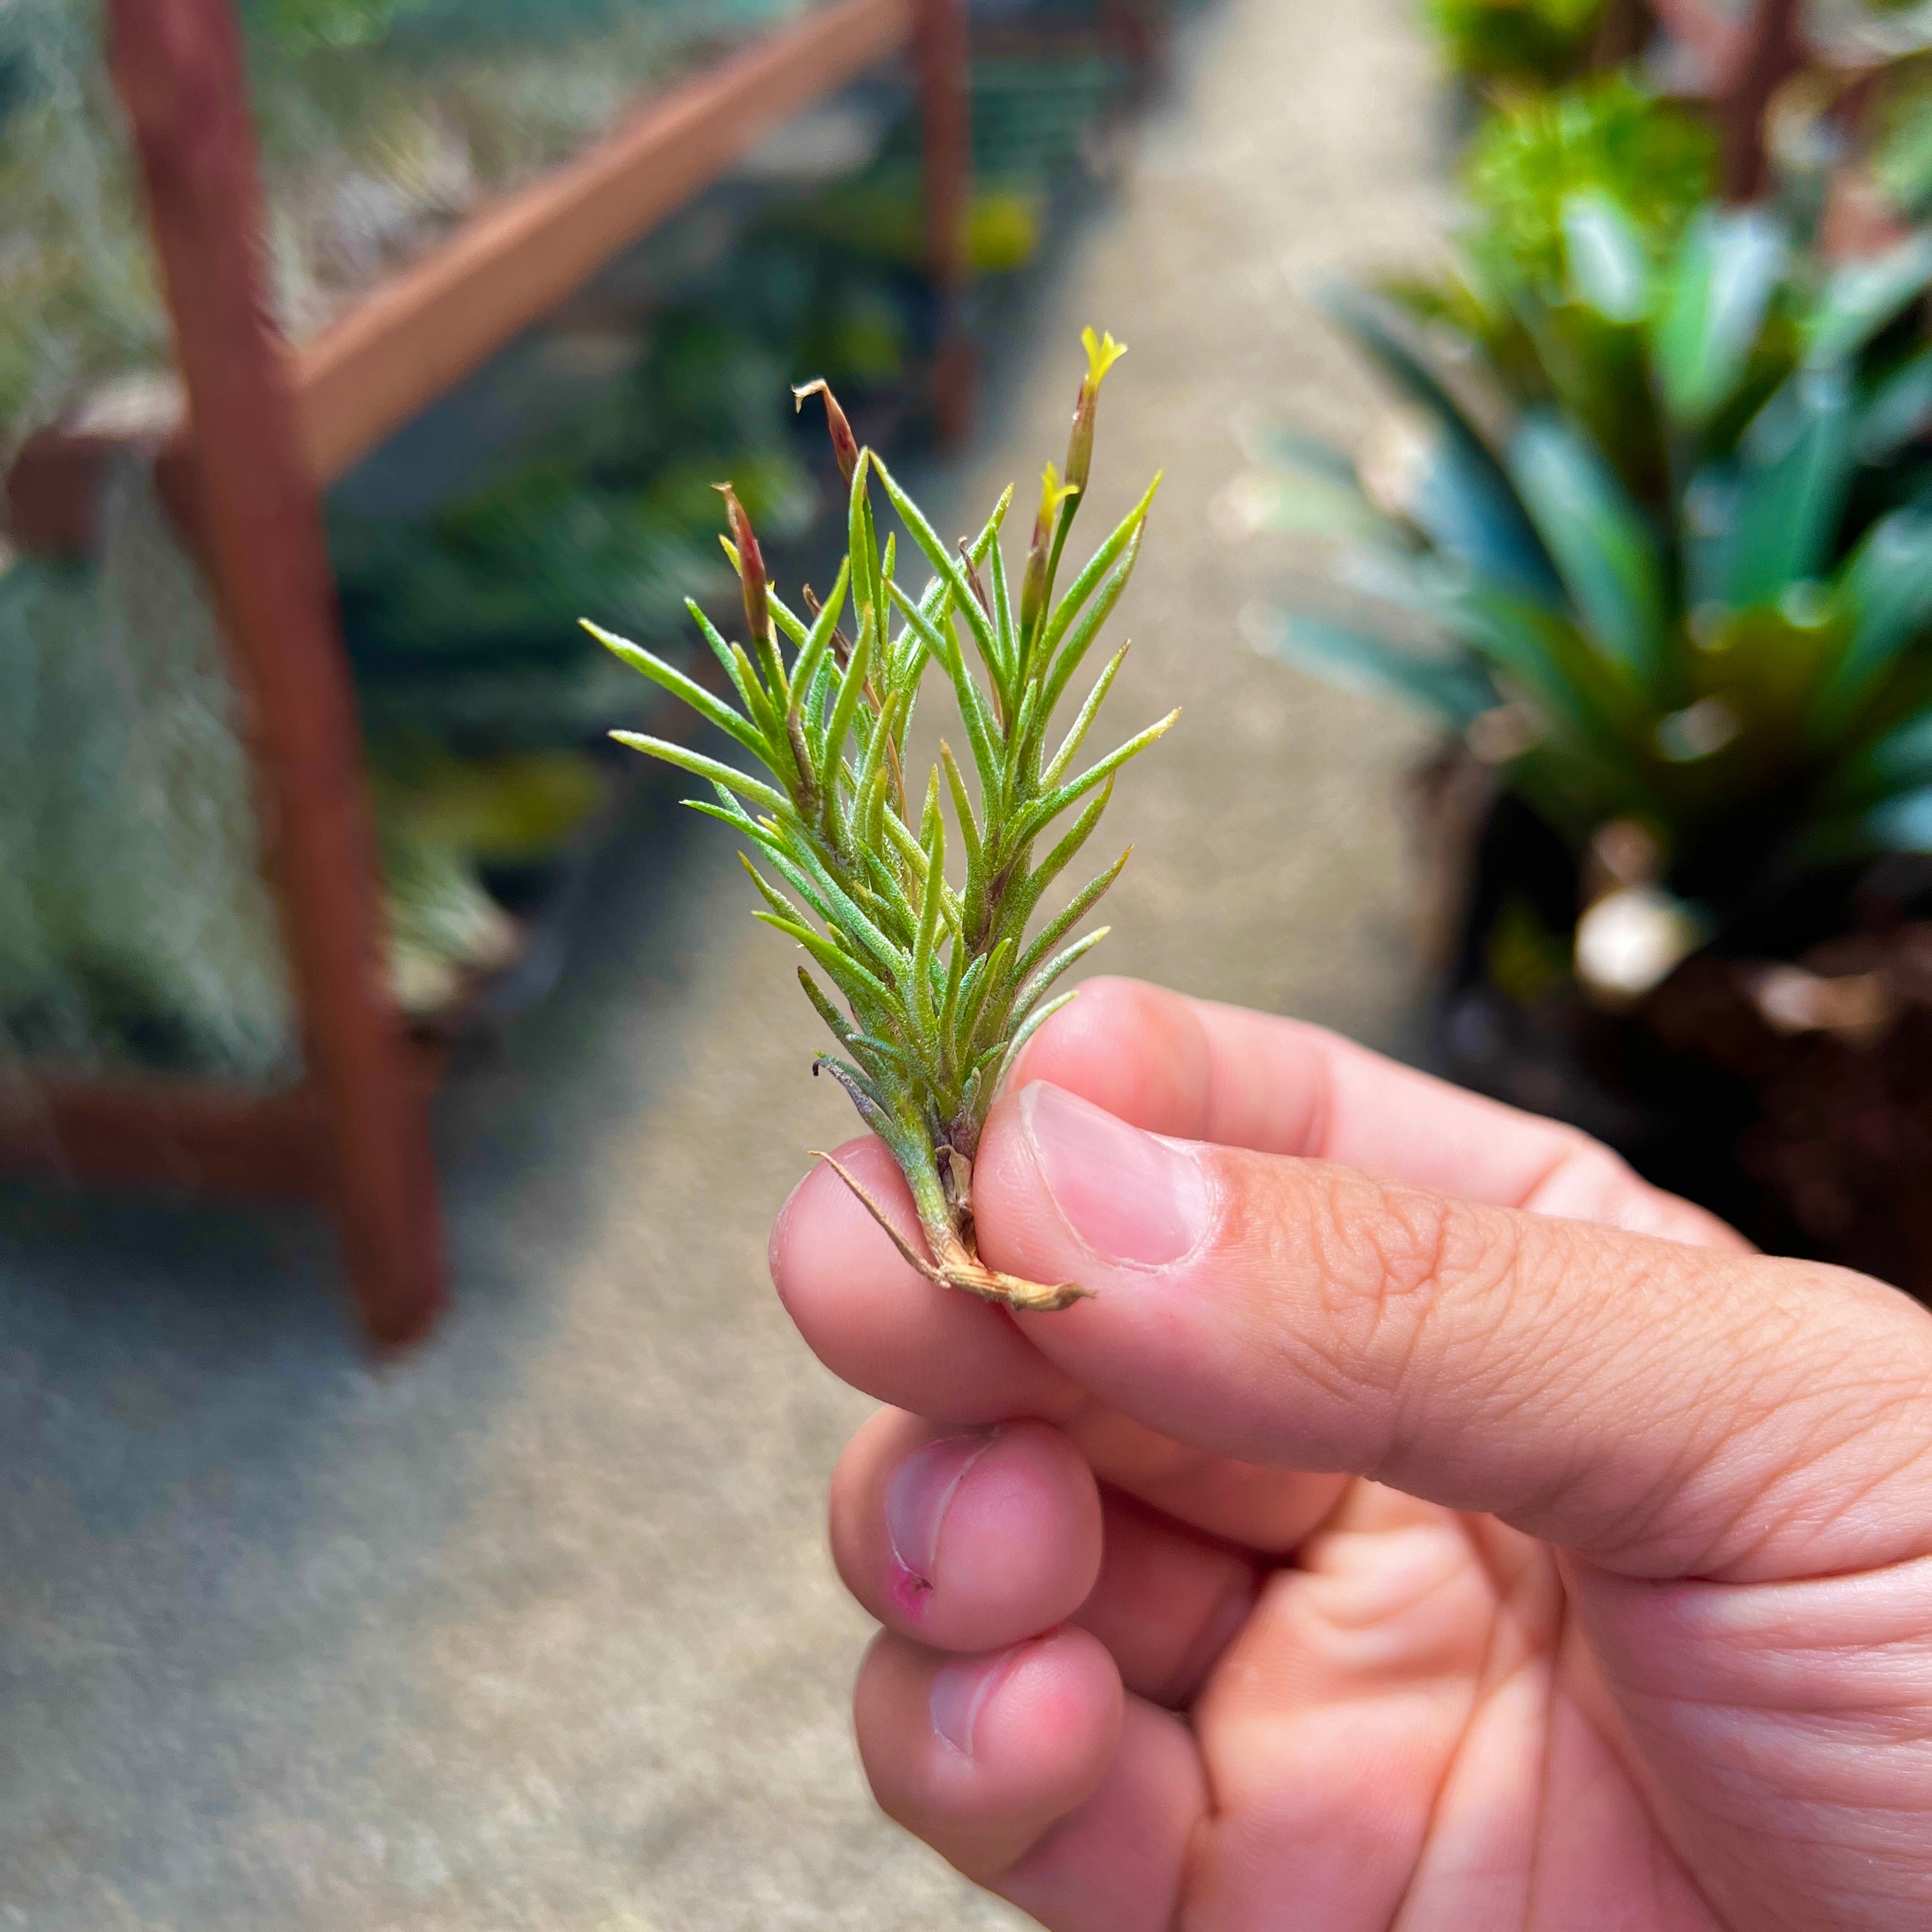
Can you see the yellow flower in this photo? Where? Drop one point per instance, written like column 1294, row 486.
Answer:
column 1102, row 352
column 1053, row 492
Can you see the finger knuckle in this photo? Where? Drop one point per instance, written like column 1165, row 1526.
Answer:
column 1392, row 1257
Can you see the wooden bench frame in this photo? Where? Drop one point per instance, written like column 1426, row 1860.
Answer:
column 266, row 427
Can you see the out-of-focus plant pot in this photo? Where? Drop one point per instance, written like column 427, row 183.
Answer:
column 1781, row 1075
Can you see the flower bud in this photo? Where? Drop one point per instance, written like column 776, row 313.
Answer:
column 845, row 444
column 750, row 566
column 1102, row 352
column 1053, row 492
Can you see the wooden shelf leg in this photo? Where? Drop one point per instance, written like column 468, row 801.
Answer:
column 179, row 66
column 1773, row 52
column 942, row 52
column 1140, row 29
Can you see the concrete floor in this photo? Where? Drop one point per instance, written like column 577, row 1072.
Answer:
column 534, row 1628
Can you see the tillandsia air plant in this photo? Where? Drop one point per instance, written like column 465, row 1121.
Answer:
column 943, row 982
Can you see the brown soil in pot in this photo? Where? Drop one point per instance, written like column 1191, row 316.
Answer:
column 1782, row 1076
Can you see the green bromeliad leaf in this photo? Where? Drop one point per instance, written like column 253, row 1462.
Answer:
column 1797, row 469
column 1738, row 653
column 1712, row 308
column 1606, row 553
column 1453, row 688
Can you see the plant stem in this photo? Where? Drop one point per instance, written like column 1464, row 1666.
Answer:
column 946, row 1223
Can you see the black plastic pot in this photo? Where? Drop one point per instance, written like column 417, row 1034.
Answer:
column 1809, row 1142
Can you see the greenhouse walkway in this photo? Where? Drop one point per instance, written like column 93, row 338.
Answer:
column 535, row 1627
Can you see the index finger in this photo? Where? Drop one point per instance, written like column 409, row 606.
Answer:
column 1199, row 1071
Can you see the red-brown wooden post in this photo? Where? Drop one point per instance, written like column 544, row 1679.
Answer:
column 1772, row 53
column 179, row 66
column 1141, row 29
column 942, row 50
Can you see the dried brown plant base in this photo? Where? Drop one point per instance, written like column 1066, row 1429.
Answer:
column 955, row 1264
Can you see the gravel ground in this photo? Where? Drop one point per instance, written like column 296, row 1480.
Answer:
column 534, row 1628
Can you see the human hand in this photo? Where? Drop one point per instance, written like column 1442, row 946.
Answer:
column 1617, row 1612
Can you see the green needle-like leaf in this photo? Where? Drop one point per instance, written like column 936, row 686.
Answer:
column 940, row 980
column 697, row 763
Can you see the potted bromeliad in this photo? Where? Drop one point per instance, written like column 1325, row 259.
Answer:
column 1651, row 535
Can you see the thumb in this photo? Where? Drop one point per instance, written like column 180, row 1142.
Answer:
column 1663, row 1410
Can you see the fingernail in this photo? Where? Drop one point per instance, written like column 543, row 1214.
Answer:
column 959, row 1692
column 919, row 1493
column 1129, row 1196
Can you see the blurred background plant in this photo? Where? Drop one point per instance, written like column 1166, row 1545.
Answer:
column 571, row 475
column 1718, row 634
column 1518, row 43
column 1649, row 532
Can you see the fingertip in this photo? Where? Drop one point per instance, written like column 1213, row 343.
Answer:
column 1161, row 1084
column 824, row 1228
column 966, row 1540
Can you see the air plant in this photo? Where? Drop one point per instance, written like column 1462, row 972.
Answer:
column 943, row 982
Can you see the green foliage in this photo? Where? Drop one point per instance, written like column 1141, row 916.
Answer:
column 943, row 979
column 1725, row 639
column 1522, row 42
column 1901, row 136
column 1607, row 138
column 300, row 26
column 462, row 621
column 80, row 301
column 1597, row 281
column 443, row 822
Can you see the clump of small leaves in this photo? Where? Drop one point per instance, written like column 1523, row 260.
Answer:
column 943, row 982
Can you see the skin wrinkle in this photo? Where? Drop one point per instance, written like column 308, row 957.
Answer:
column 1336, row 1609
column 1746, row 1554
column 1506, row 1617
column 1546, row 1766
column 1519, row 1266
column 1666, row 1860
column 1518, row 1374
column 1450, row 1758
column 1649, row 1707
column 1726, row 1438
column 1400, row 1448
column 1671, row 1491
column 1356, row 1272
column 1278, row 1226
column 1782, row 1826
column 1828, row 1422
